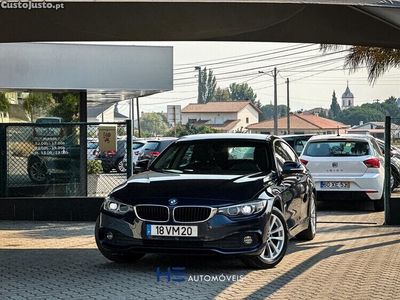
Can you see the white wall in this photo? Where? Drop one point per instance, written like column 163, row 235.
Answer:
column 215, row 118
column 248, row 112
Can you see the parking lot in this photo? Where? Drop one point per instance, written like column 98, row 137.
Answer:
column 353, row 257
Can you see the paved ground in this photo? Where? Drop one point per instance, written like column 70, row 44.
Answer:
column 353, row 257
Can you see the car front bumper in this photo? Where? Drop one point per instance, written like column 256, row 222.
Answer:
column 218, row 235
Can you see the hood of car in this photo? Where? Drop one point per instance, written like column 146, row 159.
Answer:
column 191, row 189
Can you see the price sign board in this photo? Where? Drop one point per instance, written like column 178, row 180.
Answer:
column 107, row 138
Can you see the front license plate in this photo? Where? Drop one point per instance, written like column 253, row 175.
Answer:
column 171, row 230
column 335, row 184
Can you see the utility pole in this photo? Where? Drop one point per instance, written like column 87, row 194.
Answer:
column 199, row 100
column 287, row 106
column 175, row 120
column 132, row 114
column 275, row 103
column 138, row 115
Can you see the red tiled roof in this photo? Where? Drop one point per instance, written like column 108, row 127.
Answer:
column 228, row 125
column 300, row 122
column 218, row 107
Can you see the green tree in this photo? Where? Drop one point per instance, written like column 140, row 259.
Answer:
column 242, row 91
column 189, row 129
column 354, row 115
column 37, row 101
column 153, row 124
column 208, row 85
column 66, row 107
column 4, row 103
column 221, row 94
column 334, row 110
column 267, row 111
column 377, row 60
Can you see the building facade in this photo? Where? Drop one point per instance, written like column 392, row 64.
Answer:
column 227, row 116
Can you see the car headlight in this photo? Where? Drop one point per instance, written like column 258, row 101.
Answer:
column 111, row 205
column 245, row 209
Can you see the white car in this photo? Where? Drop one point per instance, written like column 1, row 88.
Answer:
column 346, row 167
column 137, row 148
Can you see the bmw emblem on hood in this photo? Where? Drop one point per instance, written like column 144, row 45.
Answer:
column 173, row 201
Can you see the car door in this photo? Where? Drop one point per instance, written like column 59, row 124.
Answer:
column 293, row 186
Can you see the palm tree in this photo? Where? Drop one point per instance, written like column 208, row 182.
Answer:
column 377, row 60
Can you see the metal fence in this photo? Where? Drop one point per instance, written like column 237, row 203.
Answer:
column 61, row 159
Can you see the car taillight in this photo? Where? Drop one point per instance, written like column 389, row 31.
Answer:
column 154, row 153
column 110, row 153
column 372, row 163
column 304, row 162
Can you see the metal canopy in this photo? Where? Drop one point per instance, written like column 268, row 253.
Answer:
column 375, row 23
column 108, row 73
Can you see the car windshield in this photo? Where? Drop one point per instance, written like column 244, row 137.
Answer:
column 337, row 148
column 214, row 157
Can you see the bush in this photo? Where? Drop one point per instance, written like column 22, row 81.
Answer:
column 94, row 167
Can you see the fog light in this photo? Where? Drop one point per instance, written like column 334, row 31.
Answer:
column 248, row 240
column 109, row 235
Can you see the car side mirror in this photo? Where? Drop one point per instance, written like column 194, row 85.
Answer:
column 291, row 167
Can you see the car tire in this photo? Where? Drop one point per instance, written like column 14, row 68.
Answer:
column 309, row 233
column 379, row 205
column 120, row 166
column 37, row 171
column 115, row 256
column 106, row 168
column 273, row 252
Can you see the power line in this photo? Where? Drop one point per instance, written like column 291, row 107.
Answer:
column 272, row 65
column 252, row 61
column 213, row 61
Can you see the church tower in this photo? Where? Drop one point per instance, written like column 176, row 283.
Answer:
column 347, row 98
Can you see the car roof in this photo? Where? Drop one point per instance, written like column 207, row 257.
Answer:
column 162, row 139
column 226, row 136
column 342, row 137
column 295, row 135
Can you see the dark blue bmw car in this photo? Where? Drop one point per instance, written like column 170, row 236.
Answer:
column 229, row 194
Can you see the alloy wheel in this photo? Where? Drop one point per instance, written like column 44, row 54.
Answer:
column 276, row 239
column 313, row 215
column 38, row 171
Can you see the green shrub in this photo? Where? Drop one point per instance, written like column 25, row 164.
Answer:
column 94, row 167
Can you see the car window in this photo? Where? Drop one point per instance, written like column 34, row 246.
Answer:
column 379, row 150
column 137, row 145
column 289, row 151
column 299, row 145
column 337, row 148
column 165, row 144
column 151, row 146
column 283, row 153
column 214, row 157
column 92, row 145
